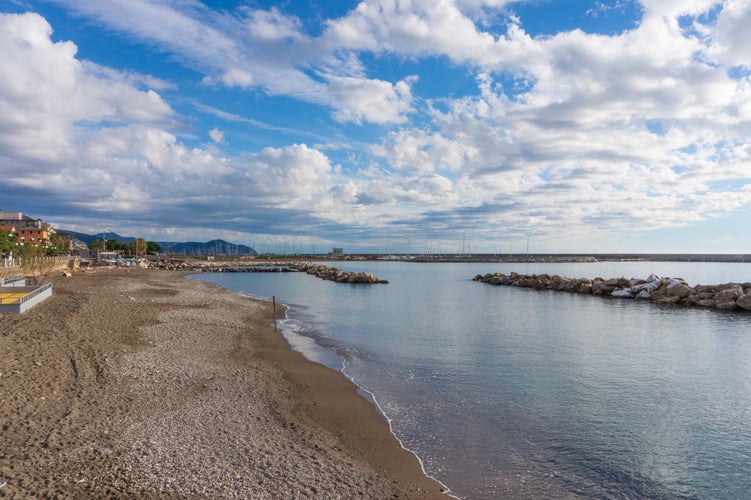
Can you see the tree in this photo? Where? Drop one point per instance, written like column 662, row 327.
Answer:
column 153, row 248
column 114, row 245
column 136, row 247
column 58, row 245
column 7, row 241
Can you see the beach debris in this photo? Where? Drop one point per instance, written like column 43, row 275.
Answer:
column 3, row 483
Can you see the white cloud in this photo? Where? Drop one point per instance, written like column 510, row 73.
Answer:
column 217, row 136
column 376, row 101
column 418, row 152
column 48, row 98
column 236, row 77
column 272, row 25
column 649, row 128
column 732, row 45
column 416, row 28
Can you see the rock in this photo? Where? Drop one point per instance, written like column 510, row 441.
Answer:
column 706, row 303
column 744, row 302
column 726, row 296
column 678, row 289
column 603, row 288
column 670, row 299
column 649, row 287
column 729, row 294
column 726, row 306
column 644, row 294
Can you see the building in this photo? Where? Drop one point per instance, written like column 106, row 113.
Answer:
column 27, row 229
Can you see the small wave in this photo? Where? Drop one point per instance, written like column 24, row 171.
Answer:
column 368, row 394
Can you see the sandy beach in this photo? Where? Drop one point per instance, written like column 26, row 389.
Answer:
column 128, row 384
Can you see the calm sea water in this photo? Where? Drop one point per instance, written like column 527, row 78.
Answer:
column 506, row 392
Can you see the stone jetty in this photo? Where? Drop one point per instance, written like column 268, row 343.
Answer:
column 333, row 274
column 321, row 271
column 726, row 297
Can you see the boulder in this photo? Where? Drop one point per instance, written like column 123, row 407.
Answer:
column 744, row 302
column 706, row 303
column 670, row 299
column 678, row 289
column 726, row 306
column 603, row 288
column 644, row 294
column 624, row 293
column 729, row 294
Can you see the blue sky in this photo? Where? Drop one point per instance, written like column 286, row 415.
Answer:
column 383, row 125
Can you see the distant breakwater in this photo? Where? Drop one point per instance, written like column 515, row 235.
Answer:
column 333, row 274
column 321, row 271
column 726, row 297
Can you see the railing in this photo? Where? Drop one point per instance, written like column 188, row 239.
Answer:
column 36, row 292
column 12, row 281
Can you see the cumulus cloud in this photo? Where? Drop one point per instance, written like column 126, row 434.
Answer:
column 563, row 132
column 48, row 97
column 273, row 26
column 376, row 101
column 253, row 48
column 216, row 135
column 419, row 27
column 731, row 42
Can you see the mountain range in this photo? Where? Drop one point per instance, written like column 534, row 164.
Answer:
column 213, row 247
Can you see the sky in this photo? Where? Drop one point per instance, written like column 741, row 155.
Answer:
column 383, row 125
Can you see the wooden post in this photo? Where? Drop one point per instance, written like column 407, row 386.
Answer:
column 273, row 303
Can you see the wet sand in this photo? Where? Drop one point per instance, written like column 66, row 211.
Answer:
column 146, row 384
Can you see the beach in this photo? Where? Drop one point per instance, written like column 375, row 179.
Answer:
column 141, row 383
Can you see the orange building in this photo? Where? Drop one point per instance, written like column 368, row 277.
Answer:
column 27, row 229
column 33, row 235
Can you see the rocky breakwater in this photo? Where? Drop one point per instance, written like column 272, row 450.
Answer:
column 333, row 274
column 727, row 296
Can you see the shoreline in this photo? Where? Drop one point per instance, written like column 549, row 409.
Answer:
column 113, row 388
column 308, row 354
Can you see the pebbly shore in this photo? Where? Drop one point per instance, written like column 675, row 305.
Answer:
column 726, row 296
column 134, row 383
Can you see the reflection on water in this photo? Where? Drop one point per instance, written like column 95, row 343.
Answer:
column 514, row 392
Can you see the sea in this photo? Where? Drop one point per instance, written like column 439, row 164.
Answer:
column 505, row 392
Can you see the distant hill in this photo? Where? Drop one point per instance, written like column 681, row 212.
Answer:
column 88, row 238
column 213, row 247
